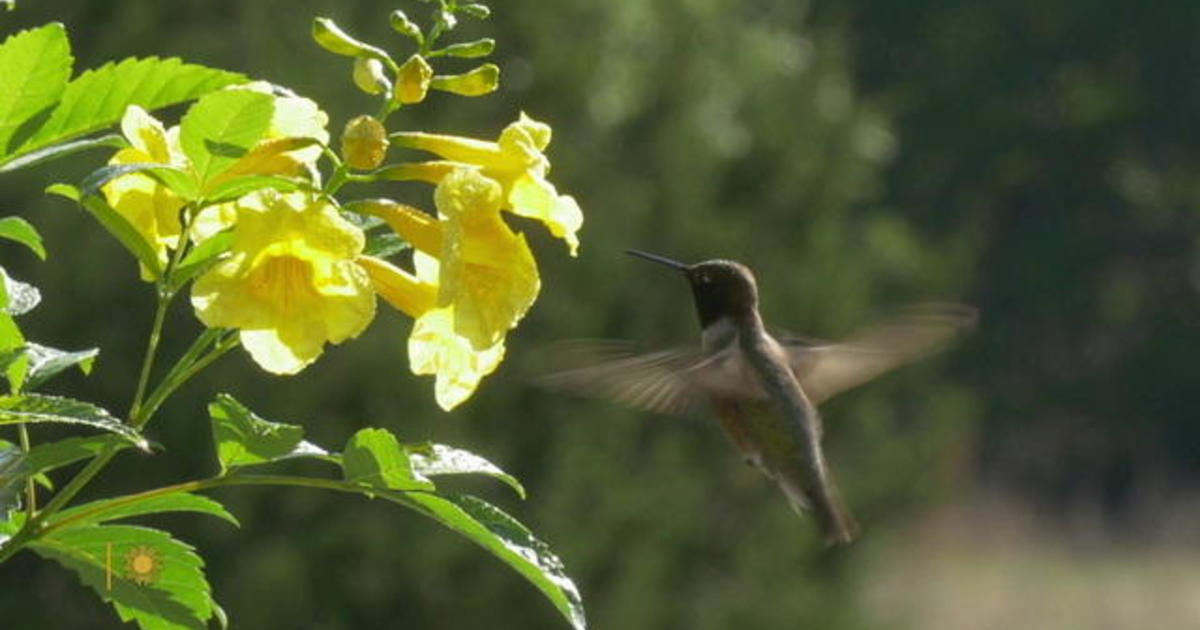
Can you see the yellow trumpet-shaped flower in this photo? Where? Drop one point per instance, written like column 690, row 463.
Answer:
column 487, row 271
column 434, row 347
column 150, row 207
column 517, row 162
column 290, row 284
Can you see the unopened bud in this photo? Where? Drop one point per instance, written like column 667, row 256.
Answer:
column 406, row 27
column 469, row 50
column 332, row 38
column 480, row 81
column 478, row 11
column 369, row 76
column 412, row 81
column 364, row 143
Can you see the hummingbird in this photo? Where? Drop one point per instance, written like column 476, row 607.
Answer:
column 763, row 389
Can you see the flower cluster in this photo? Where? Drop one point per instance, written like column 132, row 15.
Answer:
column 294, row 275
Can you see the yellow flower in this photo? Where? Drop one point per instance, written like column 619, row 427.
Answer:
column 433, row 347
column 487, row 271
column 475, row 279
column 516, row 161
column 290, row 283
column 150, row 207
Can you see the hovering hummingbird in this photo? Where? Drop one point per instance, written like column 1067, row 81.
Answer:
column 764, row 390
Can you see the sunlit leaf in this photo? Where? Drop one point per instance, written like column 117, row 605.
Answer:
column 14, row 470
column 98, row 98
column 128, row 506
column 46, row 362
column 37, row 64
column 51, row 455
column 243, row 438
column 221, row 128
column 116, row 224
column 39, row 408
column 374, row 457
column 19, row 230
column 430, row 459
column 167, row 590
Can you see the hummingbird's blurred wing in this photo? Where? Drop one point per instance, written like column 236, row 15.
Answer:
column 662, row 382
column 826, row 369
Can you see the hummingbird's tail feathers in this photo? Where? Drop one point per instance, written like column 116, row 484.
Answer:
column 826, row 369
column 837, row 525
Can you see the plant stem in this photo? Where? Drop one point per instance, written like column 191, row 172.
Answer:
column 30, row 488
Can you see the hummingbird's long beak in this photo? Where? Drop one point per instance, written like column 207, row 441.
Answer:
column 658, row 259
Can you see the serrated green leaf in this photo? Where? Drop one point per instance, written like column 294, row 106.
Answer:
column 430, row 459
column 507, row 539
column 62, row 149
column 221, row 128
column 134, row 505
column 19, row 230
column 374, row 457
column 98, row 98
column 51, row 455
column 14, row 470
column 175, row 597
column 244, row 439
column 117, row 225
column 36, row 65
column 39, row 408
column 46, row 362
column 20, row 297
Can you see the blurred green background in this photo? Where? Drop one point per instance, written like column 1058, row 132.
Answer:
column 1037, row 160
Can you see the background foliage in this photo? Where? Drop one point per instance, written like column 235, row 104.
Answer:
column 1033, row 160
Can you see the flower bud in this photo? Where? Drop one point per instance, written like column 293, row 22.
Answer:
column 478, row 11
column 369, row 76
column 469, row 50
column 401, row 24
column 364, row 143
column 477, row 82
column 412, row 81
column 335, row 40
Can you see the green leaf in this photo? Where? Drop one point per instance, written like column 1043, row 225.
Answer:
column 384, row 244
column 51, row 455
column 14, row 470
column 21, row 297
column 36, row 65
column 98, row 98
column 202, row 257
column 134, row 505
column 46, row 362
column 116, row 224
column 237, row 187
column 11, row 523
column 507, row 539
column 19, row 230
column 244, row 439
column 175, row 597
column 438, row 459
column 222, row 127
column 374, row 457
column 61, row 149
column 38, row 408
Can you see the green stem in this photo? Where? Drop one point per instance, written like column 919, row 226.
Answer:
column 182, row 373
column 30, row 487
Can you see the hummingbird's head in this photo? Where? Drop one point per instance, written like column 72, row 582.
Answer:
column 721, row 288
